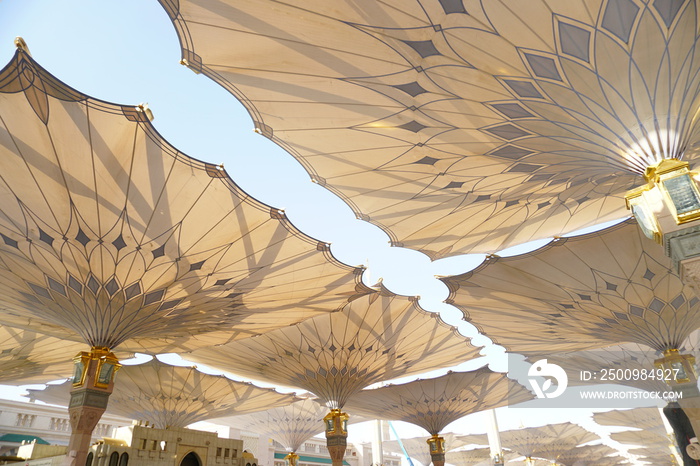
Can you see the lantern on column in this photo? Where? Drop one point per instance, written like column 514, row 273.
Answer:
column 291, row 459
column 336, row 423
column 106, row 364
column 678, row 369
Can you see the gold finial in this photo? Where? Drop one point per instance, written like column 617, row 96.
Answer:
column 22, row 45
column 145, row 110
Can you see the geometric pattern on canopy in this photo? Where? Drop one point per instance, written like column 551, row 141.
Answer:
column 175, row 396
column 108, row 233
column 27, row 357
column 434, row 403
column 415, row 447
column 547, row 441
column 648, row 419
column 578, row 293
column 289, row 425
column 628, row 356
column 380, row 336
column 461, row 126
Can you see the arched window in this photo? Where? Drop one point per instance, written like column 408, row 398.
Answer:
column 191, row 459
column 124, row 459
column 88, row 461
column 114, row 459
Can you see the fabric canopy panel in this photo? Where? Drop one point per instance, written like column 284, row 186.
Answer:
column 578, row 293
column 461, row 126
column 546, row 441
column 377, row 337
column 648, row 419
column 28, row 357
column 108, row 233
column 434, row 403
column 290, row 425
column 175, row 396
column 415, row 447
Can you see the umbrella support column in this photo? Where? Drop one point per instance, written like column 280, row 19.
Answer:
column 437, row 450
column 679, row 373
column 336, row 435
column 93, row 381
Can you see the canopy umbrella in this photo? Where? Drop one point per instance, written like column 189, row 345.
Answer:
column 415, row 447
column 109, row 234
column 547, row 441
column 473, row 457
column 435, row 403
column 167, row 396
column 589, row 454
column 290, row 425
column 381, row 336
column 579, row 293
column 461, row 126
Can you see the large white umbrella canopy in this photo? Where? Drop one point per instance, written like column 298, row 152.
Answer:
column 435, row 403
column 380, row 336
column 175, row 396
column 589, row 454
column 546, row 441
column 290, row 425
column 107, row 233
column 415, row 447
column 475, row 457
column 461, row 126
column 579, row 293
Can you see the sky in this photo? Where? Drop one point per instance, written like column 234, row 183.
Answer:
column 127, row 52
